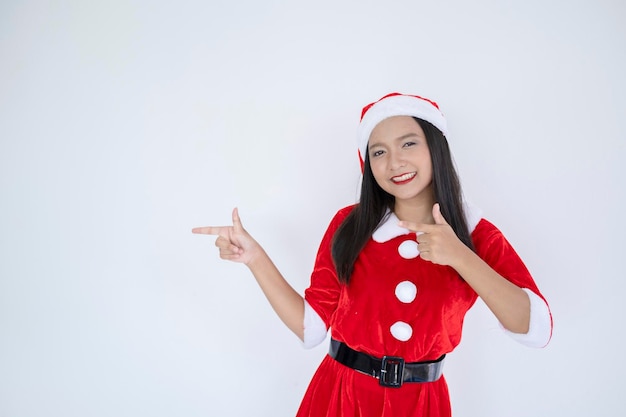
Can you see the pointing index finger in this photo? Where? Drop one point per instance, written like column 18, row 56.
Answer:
column 208, row 230
column 418, row 228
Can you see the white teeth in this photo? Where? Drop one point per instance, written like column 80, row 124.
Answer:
column 403, row 177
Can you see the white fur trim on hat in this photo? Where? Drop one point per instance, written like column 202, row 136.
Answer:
column 396, row 104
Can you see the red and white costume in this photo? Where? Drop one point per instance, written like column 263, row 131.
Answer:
column 398, row 304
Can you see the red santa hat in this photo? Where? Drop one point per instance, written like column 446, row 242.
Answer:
column 396, row 104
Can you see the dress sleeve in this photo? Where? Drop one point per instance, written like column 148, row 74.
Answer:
column 493, row 248
column 322, row 296
column 540, row 326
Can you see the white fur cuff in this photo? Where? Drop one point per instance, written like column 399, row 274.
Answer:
column 314, row 327
column 540, row 326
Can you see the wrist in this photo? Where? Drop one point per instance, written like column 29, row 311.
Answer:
column 257, row 259
column 465, row 256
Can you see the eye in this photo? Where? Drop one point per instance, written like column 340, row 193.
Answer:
column 408, row 144
column 377, row 153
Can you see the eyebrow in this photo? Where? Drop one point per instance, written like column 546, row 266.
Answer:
column 399, row 138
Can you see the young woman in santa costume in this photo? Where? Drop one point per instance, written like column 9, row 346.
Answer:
column 396, row 273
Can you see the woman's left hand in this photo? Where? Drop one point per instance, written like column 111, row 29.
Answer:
column 437, row 242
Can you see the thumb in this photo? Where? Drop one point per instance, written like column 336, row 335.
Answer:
column 437, row 216
column 237, row 221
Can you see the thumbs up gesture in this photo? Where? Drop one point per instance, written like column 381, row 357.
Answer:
column 437, row 242
column 234, row 242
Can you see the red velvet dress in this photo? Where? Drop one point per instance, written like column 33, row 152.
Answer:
column 362, row 315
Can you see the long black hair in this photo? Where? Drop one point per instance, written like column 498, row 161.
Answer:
column 357, row 228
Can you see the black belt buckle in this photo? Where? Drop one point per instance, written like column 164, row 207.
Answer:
column 391, row 371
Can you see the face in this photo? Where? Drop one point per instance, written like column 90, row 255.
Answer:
column 400, row 159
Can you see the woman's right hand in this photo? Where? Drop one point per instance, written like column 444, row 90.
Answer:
column 234, row 242
column 237, row 245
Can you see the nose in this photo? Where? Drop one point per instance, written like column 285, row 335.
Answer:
column 396, row 160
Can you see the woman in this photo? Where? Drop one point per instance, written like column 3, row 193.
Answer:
column 396, row 273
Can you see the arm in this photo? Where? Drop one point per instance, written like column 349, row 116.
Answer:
column 286, row 302
column 236, row 244
column 439, row 244
column 508, row 302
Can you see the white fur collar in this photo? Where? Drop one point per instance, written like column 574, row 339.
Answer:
column 388, row 228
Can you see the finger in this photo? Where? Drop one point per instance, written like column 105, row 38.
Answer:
column 227, row 254
column 230, row 256
column 425, row 256
column 225, row 245
column 437, row 216
column 208, row 230
column 236, row 220
column 418, row 228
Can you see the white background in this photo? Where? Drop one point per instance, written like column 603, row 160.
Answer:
column 123, row 124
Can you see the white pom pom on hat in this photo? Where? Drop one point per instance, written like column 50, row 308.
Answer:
column 397, row 104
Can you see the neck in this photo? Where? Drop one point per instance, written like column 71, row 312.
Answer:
column 419, row 210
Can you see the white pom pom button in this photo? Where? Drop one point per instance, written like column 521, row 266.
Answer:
column 408, row 249
column 406, row 291
column 401, row 331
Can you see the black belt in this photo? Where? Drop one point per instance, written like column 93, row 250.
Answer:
column 391, row 371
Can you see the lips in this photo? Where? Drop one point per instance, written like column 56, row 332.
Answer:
column 404, row 178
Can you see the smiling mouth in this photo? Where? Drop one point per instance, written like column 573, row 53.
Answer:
column 400, row 179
